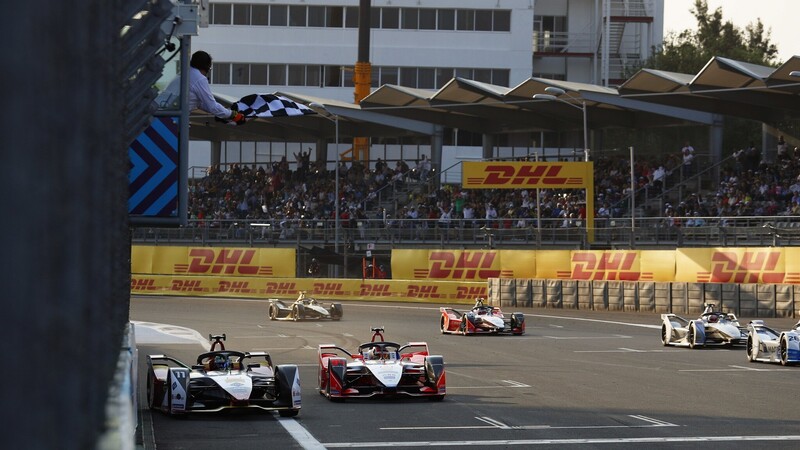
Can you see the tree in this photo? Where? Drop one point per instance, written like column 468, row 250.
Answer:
column 688, row 51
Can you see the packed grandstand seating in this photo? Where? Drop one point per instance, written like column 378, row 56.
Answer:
column 395, row 193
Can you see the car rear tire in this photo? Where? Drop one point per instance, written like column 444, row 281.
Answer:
column 784, row 349
column 664, row 336
column 691, row 336
column 751, row 352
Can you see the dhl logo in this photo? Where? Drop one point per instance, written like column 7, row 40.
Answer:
column 726, row 267
column 470, row 292
column 328, row 289
column 226, row 261
column 466, row 266
column 280, row 288
column 523, row 176
column 143, row 284
column 375, row 290
column 235, row 286
column 187, row 286
column 424, row 291
column 605, row 266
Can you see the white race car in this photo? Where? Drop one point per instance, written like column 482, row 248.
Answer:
column 303, row 308
column 767, row 345
column 712, row 328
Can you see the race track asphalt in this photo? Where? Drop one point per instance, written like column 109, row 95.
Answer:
column 576, row 379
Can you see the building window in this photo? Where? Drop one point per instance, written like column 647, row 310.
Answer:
column 333, row 76
column 314, row 76
column 388, row 75
column 241, row 73
column 427, row 19
column 334, row 16
column 447, row 19
column 297, row 16
column 297, row 75
column 408, row 77
column 483, row 75
column 501, row 77
column 501, row 21
column 221, row 73
column 443, row 76
column 465, row 19
column 220, row 14
column 316, row 16
column 241, row 14
column 258, row 75
column 278, row 15
column 410, row 19
column 260, row 14
column 351, row 17
column 426, row 78
column 483, row 20
column 277, row 74
column 390, row 18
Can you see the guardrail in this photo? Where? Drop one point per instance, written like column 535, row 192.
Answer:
column 646, row 232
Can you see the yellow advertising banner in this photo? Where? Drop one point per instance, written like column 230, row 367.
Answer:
column 792, row 264
column 521, row 175
column 466, row 265
column 533, row 175
column 552, row 263
column 730, row 265
column 657, row 265
column 427, row 291
column 225, row 261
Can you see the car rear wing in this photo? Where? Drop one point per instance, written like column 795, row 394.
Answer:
column 420, row 348
column 331, row 350
column 165, row 360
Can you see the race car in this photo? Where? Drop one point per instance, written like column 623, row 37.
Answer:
column 712, row 328
column 381, row 368
column 481, row 319
column 303, row 308
column 767, row 345
column 222, row 379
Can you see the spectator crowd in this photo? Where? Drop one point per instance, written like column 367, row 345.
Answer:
column 285, row 198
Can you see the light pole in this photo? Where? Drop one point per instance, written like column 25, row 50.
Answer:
column 553, row 94
column 335, row 121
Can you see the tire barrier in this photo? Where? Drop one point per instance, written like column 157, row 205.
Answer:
column 746, row 300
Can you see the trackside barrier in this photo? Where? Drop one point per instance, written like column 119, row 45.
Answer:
column 569, row 294
column 523, row 292
column 553, row 293
column 688, row 299
column 630, row 296
column 647, row 297
column 122, row 405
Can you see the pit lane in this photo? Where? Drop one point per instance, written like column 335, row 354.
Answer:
column 577, row 378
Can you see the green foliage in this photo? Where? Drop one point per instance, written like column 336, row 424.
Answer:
column 689, row 50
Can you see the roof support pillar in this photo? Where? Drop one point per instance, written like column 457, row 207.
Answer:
column 715, row 131
column 437, row 142
column 488, row 146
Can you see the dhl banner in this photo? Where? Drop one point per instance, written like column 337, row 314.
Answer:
column 480, row 265
column 738, row 265
column 233, row 262
column 465, row 265
column 533, row 175
column 428, row 291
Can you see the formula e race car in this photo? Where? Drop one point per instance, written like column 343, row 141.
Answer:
column 767, row 345
column 380, row 368
column 222, row 379
column 303, row 308
column 481, row 319
column 712, row 328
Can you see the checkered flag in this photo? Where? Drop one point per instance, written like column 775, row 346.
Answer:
column 270, row 105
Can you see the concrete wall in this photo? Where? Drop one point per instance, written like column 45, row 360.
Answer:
column 65, row 241
column 747, row 300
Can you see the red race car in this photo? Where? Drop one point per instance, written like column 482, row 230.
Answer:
column 481, row 319
column 380, row 368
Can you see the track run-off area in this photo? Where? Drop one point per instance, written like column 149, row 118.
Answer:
column 583, row 379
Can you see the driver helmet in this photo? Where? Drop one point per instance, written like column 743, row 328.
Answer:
column 479, row 301
column 220, row 363
column 713, row 318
